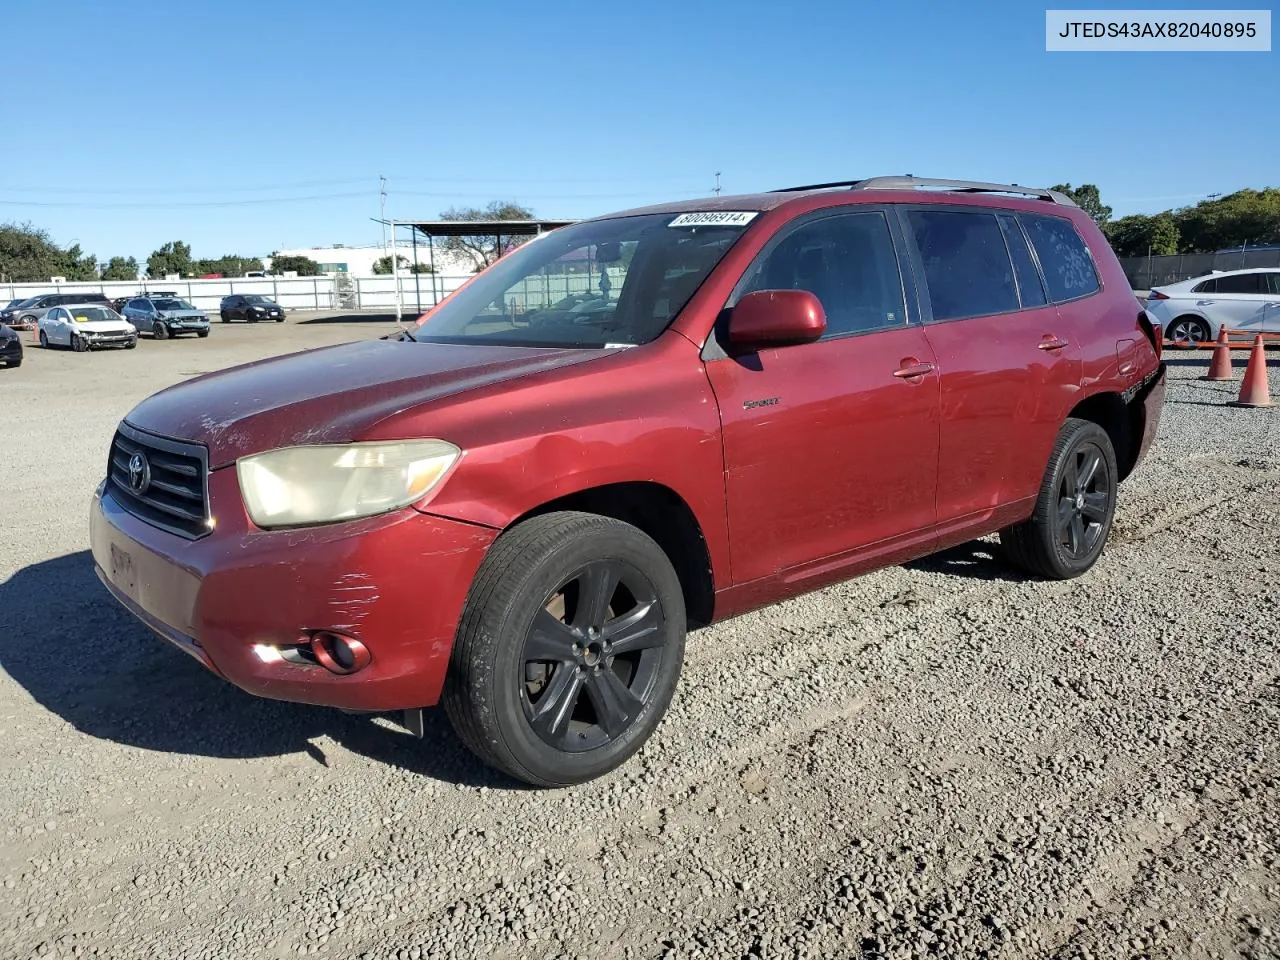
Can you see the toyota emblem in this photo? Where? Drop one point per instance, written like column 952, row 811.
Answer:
column 139, row 474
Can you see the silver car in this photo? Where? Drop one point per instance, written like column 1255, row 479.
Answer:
column 26, row 315
column 165, row 317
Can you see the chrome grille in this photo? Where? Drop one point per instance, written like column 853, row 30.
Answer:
column 161, row 481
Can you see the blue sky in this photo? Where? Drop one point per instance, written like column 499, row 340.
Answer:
column 137, row 123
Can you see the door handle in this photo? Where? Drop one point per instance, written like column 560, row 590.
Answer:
column 912, row 368
column 1051, row 342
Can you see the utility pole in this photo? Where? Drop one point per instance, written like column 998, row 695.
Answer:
column 382, row 210
column 717, row 189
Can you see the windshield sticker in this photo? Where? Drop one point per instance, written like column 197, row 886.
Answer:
column 714, row 218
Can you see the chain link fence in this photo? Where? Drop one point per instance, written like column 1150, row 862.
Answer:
column 1147, row 272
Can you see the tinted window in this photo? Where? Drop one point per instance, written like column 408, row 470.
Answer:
column 1068, row 268
column 1241, row 283
column 55, row 314
column 1273, row 282
column 966, row 264
column 1030, row 286
column 1209, row 286
column 846, row 261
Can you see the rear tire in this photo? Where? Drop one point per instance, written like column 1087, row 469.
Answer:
column 14, row 364
column 568, row 651
column 1065, row 535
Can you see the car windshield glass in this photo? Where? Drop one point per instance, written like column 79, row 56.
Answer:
column 621, row 280
column 172, row 304
column 256, row 299
column 92, row 314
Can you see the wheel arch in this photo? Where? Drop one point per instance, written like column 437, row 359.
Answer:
column 1121, row 421
column 662, row 514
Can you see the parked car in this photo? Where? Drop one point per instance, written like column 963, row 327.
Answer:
column 251, row 308
column 10, row 347
column 9, row 313
column 27, row 315
column 521, row 522
column 1195, row 310
column 166, row 316
column 86, row 326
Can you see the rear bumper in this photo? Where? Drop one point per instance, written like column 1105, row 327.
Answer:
column 397, row 583
column 1146, row 399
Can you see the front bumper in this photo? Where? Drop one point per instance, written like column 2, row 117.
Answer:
column 397, row 583
column 10, row 350
column 110, row 339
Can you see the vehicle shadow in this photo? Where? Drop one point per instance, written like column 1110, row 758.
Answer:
column 409, row 317
column 78, row 653
column 977, row 559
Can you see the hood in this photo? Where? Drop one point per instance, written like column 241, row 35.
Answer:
column 332, row 394
column 183, row 314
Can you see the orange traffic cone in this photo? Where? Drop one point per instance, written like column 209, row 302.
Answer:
column 1254, row 391
column 1220, row 365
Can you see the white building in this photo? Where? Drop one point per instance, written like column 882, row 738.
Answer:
column 358, row 261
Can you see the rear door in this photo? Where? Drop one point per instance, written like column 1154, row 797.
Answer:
column 1007, row 365
column 1239, row 301
column 1271, row 310
column 831, row 448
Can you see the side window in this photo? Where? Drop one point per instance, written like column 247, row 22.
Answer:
column 1030, row 286
column 1273, row 280
column 847, row 261
column 1068, row 267
column 1209, row 286
column 966, row 263
column 55, row 314
column 1241, row 283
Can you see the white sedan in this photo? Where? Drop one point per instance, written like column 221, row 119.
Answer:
column 1196, row 309
column 86, row 327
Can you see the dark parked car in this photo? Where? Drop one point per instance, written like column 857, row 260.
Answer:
column 251, row 308
column 27, row 314
column 522, row 521
column 165, row 316
column 10, row 347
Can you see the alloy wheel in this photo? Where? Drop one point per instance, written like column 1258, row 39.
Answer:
column 591, row 656
column 1084, row 501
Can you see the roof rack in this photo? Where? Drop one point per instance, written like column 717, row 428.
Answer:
column 909, row 182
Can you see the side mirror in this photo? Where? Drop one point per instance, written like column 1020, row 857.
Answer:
column 776, row 318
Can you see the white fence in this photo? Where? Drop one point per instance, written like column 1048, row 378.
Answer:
column 292, row 293
column 418, row 292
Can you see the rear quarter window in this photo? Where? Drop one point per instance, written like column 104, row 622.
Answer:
column 1065, row 260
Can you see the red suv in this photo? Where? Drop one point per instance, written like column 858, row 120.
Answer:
column 630, row 427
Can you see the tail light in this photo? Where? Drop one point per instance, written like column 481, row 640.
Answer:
column 1157, row 295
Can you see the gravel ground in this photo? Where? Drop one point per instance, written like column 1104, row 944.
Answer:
column 941, row 759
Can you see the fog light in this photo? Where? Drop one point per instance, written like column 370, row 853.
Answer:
column 339, row 654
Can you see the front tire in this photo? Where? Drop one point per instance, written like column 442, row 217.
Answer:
column 1065, row 535
column 569, row 649
column 44, row 340
column 79, row 344
column 1192, row 329
column 223, row 317
column 202, row 334
column 159, row 331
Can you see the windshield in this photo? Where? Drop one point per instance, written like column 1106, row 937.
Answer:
column 92, row 314
column 590, row 284
column 172, row 304
column 254, row 298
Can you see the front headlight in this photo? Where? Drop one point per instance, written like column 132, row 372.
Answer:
column 299, row 486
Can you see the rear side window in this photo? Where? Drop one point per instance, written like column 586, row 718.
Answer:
column 966, row 264
column 1273, row 282
column 1209, row 286
column 1241, row 283
column 846, row 261
column 1068, row 267
column 1030, row 286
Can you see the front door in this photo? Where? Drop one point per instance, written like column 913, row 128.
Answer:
column 831, row 447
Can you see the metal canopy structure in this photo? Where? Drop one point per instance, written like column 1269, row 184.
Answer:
column 430, row 229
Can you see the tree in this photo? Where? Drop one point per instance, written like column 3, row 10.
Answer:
column 1246, row 216
column 302, row 266
column 1088, row 199
column 27, row 254
column 120, row 268
column 1138, row 234
column 229, row 265
column 482, row 249
column 173, row 257
column 382, row 265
